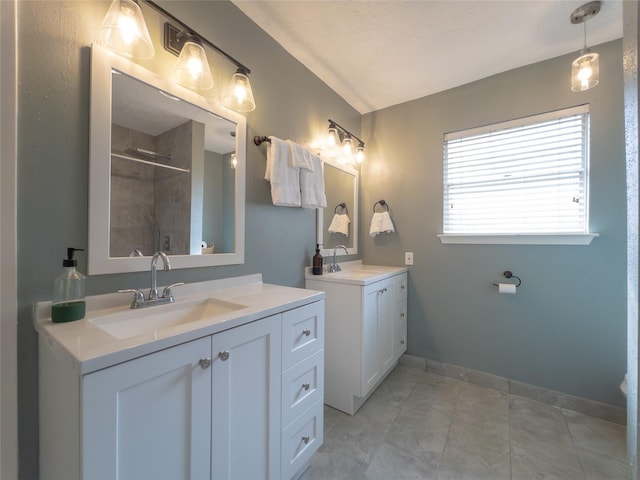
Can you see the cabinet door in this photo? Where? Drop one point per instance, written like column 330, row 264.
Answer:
column 370, row 350
column 246, row 401
column 149, row 418
column 386, row 322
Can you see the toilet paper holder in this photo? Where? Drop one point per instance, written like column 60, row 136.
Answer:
column 508, row 274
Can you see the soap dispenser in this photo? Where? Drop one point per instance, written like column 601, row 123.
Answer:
column 68, row 291
column 317, row 262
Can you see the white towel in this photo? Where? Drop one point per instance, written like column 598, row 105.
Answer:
column 300, row 156
column 312, row 185
column 381, row 222
column 340, row 224
column 285, row 180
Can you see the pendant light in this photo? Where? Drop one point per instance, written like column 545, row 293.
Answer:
column 192, row 69
column 238, row 95
column 125, row 32
column 585, row 70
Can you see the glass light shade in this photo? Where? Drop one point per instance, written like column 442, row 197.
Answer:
column 332, row 137
column 192, row 69
column 124, row 31
column 234, row 160
column 347, row 146
column 585, row 71
column 239, row 96
column 360, row 154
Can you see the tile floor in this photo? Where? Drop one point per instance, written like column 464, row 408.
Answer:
column 420, row 425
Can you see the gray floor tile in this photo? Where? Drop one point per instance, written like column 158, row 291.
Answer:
column 394, row 463
column 420, row 425
column 597, row 435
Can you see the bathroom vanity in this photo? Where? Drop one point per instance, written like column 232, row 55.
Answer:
column 227, row 382
column 366, row 329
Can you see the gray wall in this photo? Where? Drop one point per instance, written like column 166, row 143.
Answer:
column 565, row 329
column 53, row 150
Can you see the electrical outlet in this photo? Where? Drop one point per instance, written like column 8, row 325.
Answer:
column 408, row 258
column 167, row 243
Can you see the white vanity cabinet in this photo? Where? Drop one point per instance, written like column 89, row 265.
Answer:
column 366, row 330
column 238, row 404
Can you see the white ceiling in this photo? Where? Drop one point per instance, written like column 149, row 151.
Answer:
column 380, row 53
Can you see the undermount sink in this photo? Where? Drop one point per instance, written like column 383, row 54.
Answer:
column 355, row 273
column 137, row 322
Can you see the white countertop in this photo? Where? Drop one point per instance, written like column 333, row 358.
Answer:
column 90, row 348
column 354, row 273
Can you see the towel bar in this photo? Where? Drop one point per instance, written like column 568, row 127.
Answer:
column 259, row 140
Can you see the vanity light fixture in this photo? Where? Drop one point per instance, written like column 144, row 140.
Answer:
column 238, row 95
column 340, row 144
column 585, row 70
column 233, row 161
column 124, row 30
column 192, row 68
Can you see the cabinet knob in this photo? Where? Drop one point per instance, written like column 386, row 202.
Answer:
column 402, row 314
column 402, row 342
column 205, row 363
column 305, row 439
column 306, row 332
column 224, row 355
column 306, row 386
column 402, row 286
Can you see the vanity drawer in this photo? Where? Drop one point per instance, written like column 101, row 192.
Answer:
column 302, row 386
column 400, row 286
column 301, row 439
column 302, row 333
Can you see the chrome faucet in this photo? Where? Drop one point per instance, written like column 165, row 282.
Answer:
column 335, row 267
column 153, row 293
column 139, row 301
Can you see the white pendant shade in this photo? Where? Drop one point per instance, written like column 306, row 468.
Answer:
column 124, row 31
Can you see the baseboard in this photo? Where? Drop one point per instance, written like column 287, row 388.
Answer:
column 592, row 408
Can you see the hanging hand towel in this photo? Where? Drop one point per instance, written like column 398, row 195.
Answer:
column 285, row 180
column 381, row 222
column 300, row 156
column 312, row 185
column 340, row 224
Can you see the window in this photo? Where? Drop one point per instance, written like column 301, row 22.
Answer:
column 522, row 177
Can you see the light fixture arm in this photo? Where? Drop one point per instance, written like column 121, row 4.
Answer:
column 192, row 32
column 342, row 131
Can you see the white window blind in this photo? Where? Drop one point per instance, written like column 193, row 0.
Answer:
column 527, row 176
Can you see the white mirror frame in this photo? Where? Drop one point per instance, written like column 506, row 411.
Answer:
column 325, row 252
column 102, row 62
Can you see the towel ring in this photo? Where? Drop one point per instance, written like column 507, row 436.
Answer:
column 343, row 206
column 382, row 203
column 508, row 274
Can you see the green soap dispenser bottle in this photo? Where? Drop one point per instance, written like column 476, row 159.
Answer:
column 68, row 291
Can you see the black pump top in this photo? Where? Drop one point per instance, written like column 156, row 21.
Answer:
column 70, row 261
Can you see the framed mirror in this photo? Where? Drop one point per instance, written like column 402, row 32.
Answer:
column 167, row 172
column 341, row 188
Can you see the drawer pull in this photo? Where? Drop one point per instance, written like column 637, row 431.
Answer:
column 305, row 439
column 402, row 287
column 205, row 363
column 306, row 332
column 224, row 355
column 402, row 314
column 402, row 342
column 306, row 386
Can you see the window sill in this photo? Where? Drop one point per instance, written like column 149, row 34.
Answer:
column 511, row 239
